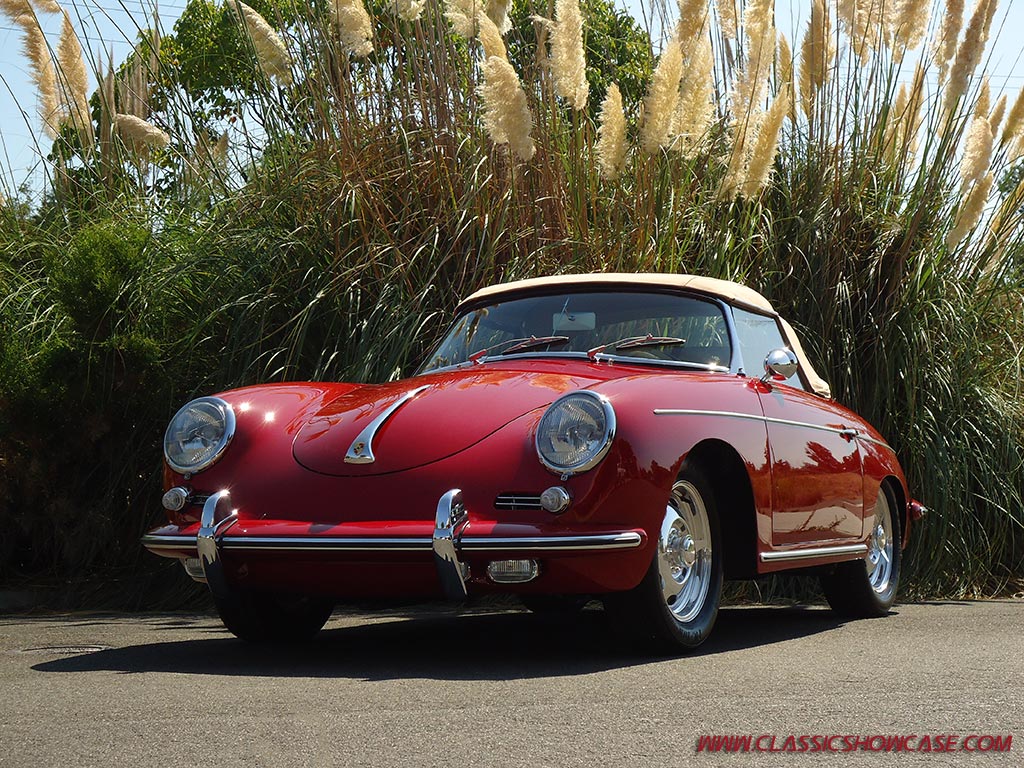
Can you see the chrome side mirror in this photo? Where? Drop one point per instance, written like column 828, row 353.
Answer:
column 779, row 364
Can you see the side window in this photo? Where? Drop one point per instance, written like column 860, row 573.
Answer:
column 759, row 335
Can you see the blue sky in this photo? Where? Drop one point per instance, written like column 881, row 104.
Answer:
column 106, row 26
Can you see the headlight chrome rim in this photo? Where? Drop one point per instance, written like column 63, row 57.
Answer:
column 591, row 461
column 228, row 414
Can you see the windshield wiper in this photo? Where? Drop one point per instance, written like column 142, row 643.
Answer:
column 517, row 345
column 634, row 342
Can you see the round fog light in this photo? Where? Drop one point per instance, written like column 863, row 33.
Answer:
column 175, row 499
column 512, row 571
column 555, row 499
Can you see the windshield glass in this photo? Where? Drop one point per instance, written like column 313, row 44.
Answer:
column 686, row 330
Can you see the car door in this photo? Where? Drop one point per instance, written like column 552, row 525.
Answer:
column 817, row 485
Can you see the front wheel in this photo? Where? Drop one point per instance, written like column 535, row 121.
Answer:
column 262, row 617
column 867, row 588
column 675, row 606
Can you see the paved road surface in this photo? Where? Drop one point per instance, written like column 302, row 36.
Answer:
column 503, row 688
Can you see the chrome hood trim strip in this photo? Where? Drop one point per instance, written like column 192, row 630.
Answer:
column 361, row 450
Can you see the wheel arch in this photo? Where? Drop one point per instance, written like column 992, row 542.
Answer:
column 902, row 515
column 734, row 497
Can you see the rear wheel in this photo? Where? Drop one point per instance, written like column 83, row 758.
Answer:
column 263, row 617
column 867, row 588
column 675, row 606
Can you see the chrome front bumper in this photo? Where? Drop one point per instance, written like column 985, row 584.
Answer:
column 450, row 539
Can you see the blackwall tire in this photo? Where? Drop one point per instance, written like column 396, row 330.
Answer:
column 266, row 618
column 674, row 608
column 867, row 588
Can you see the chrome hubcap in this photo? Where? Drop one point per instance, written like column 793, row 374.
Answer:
column 880, row 547
column 684, row 553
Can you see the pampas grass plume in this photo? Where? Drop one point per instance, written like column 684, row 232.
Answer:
column 662, row 97
column 75, row 81
column 984, row 101
column 16, row 9
column 506, row 115
column 977, row 151
column 693, row 20
column 752, row 81
column 995, row 118
column 968, row 55
column 784, row 59
column 497, row 11
column 727, row 18
column 1014, row 120
column 611, row 135
column 696, row 107
column 762, row 154
column 490, row 37
column 949, row 32
column 462, row 14
column 271, row 54
column 970, row 211
column 908, row 23
column 568, row 62
column 139, row 134
column 816, row 54
column 355, row 31
column 44, row 73
column 407, row 10
column 785, row 73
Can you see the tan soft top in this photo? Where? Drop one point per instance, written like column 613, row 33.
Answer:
column 725, row 289
column 734, row 293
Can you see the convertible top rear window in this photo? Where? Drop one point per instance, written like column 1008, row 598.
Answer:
column 694, row 329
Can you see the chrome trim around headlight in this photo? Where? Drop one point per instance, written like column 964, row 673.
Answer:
column 225, row 440
column 609, row 434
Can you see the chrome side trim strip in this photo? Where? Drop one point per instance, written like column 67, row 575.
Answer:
column 627, row 540
column 361, row 450
column 806, row 554
column 845, row 432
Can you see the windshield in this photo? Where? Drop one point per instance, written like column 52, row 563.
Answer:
column 685, row 330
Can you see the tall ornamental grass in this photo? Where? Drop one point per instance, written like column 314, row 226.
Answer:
column 292, row 191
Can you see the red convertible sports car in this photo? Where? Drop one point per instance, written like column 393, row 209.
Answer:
column 638, row 438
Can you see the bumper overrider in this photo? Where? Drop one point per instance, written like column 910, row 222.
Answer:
column 450, row 542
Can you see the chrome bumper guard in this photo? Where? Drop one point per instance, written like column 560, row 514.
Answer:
column 208, row 545
column 449, row 523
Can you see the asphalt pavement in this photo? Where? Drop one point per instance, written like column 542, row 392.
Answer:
column 431, row 686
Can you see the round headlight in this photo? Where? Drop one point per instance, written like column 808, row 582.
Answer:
column 575, row 432
column 198, row 434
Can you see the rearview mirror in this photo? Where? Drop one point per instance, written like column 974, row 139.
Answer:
column 573, row 321
column 779, row 365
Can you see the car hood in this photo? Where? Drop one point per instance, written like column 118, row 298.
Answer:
column 431, row 417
